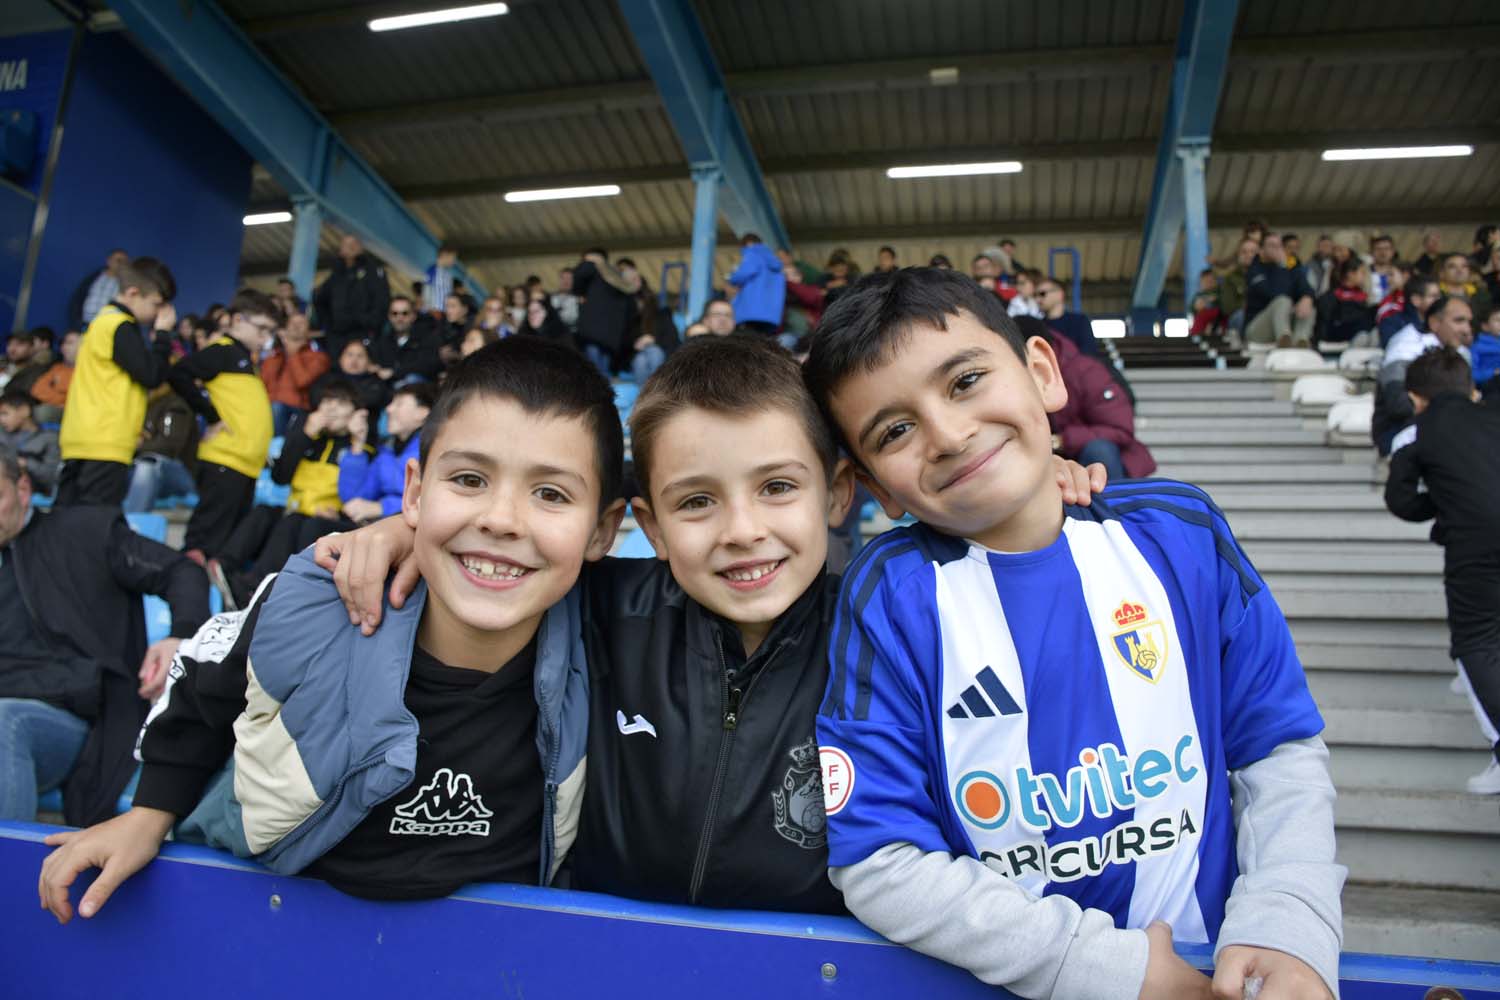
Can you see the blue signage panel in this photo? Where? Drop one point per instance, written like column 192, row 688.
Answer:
column 32, row 68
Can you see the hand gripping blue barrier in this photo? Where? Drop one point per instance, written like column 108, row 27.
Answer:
column 195, row 917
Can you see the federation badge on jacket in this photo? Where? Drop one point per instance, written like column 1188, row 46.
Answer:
column 1141, row 644
column 799, row 800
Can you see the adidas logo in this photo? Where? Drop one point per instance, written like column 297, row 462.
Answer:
column 984, row 699
column 447, row 806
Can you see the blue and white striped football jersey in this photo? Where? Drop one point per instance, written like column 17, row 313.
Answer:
column 1068, row 716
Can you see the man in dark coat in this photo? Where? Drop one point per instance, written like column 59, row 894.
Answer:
column 351, row 304
column 604, row 319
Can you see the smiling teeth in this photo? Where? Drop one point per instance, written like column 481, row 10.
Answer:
column 751, row 575
column 490, row 570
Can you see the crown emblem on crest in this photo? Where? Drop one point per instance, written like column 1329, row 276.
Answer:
column 804, row 756
column 1129, row 614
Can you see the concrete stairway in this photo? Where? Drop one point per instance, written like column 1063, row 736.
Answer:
column 1363, row 594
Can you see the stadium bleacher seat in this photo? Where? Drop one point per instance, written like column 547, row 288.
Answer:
column 1295, row 359
column 268, row 493
column 1361, row 360
column 1320, row 390
column 1348, row 420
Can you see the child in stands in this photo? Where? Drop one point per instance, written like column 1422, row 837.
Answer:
column 116, row 366
column 462, row 757
column 234, row 404
column 36, row 448
column 1037, row 713
column 1456, row 456
column 708, row 664
column 371, row 482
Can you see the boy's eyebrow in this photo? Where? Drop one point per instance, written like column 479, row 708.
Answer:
column 938, row 374
column 488, row 461
column 692, row 482
column 471, row 457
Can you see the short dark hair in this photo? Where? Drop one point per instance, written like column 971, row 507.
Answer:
column 598, row 250
column 1439, row 370
column 940, row 260
column 889, row 250
column 1420, row 284
column 422, row 393
column 339, row 387
column 1455, row 253
column 147, row 275
column 403, row 298
column 878, row 313
column 284, row 280
column 26, row 335
column 1007, row 240
column 1382, row 238
column 736, row 376
column 18, row 397
column 749, row 238
column 249, row 302
column 544, row 378
column 1442, row 303
column 1289, row 236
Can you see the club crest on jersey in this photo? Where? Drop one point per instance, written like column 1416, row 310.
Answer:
column 798, row 803
column 1141, row 644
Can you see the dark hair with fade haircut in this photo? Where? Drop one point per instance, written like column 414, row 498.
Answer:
column 1437, row 371
column 422, row 393
column 339, row 387
column 735, row 376
column 1420, row 284
column 147, row 275
column 250, row 302
column 18, row 397
column 543, row 378
column 879, row 313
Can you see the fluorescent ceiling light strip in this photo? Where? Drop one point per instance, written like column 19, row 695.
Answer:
column 445, row 16
column 266, row 218
column 552, row 194
column 955, row 169
column 1397, row 152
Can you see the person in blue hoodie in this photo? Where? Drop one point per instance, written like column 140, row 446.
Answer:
column 371, row 486
column 447, row 748
column 761, row 281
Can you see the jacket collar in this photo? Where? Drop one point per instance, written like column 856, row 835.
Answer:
column 707, row 630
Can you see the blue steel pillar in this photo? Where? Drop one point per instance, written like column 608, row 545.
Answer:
column 304, row 263
column 706, row 181
column 1194, row 220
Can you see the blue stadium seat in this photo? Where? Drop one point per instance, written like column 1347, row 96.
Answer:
column 267, row 492
column 635, row 546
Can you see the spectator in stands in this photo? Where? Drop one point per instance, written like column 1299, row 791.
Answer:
column 492, row 317
column 1097, row 424
column 354, row 297
column 371, row 485
column 654, row 338
column 1382, row 274
column 287, row 299
column 515, row 310
column 76, row 675
column 51, row 390
column 1457, row 278
column 1345, row 313
column 355, row 366
column 1291, row 243
column 1076, row 326
column 718, row 316
column 697, row 329
column 1451, row 472
column 984, row 268
column 804, row 299
column 1233, row 285
column 941, row 262
column 97, row 290
column 1346, row 244
column 1485, row 353
column 761, row 284
column 1278, row 302
column 36, row 448
column 885, row 259
column 477, row 339
column 605, row 316
column 1009, row 247
column 291, row 369
column 1419, row 292
column 1485, row 260
column 28, row 355
column 116, row 366
column 309, row 463
column 404, row 351
column 542, row 320
column 1390, row 313
column 1316, row 266
column 437, row 281
column 1449, row 322
column 1432, row 253
column 1206, row 313
column 168, row 454
column 1024, row 302
column 564, row 301
column 236, row 410
column 450, row 329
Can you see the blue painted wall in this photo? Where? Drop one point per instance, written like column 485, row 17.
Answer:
column 144, row 168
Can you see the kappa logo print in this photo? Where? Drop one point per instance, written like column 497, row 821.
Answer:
column 984, row 699
column 638, row 725
column 1141, row 644
column 447, row 806
column 799, row 801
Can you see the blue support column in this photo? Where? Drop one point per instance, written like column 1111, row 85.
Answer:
column 1194, row 219
column 706, row 181
column 1203, row 42
column 304, row 263
column 211, row 59
column 682, row 63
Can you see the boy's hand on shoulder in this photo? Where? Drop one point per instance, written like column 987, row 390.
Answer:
column 119, row 848
column 1079, row 484
column 360, row 560
column 1283, row 976
column 212, row 431
column 1168, row 976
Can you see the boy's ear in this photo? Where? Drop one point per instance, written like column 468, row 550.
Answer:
column 892, row 507
column 1041, row 362
column 840, row 492
column 411, row 494
column 646, row 518
column 605, row 530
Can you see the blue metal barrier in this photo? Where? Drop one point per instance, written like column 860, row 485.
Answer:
column 197, row 916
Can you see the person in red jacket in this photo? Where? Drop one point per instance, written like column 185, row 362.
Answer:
column 1097, row 424
column 291, row 370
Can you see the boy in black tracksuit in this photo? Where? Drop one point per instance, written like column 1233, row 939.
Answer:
column 1457, row 455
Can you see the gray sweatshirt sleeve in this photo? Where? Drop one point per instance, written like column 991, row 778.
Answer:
column 1287, row 894
column 1036, row 948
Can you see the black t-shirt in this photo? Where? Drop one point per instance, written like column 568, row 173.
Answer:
column 473, row 812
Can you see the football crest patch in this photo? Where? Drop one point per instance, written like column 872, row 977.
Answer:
column 1140, row 642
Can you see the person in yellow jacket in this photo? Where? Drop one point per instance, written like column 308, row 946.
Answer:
column 234, row 404
column 115, row 368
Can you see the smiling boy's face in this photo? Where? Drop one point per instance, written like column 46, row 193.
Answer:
column 505, row 513
column 952, row 428
column 740, row 508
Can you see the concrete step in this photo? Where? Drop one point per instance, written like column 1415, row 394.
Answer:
column 1242, row 377
column 1395, row 606
column 1300, row 498
column 1309, row 454
column 1434, row 923
column 1210, row 474
column 1156, row 406
column 1423, row 859
column 1405, row 559
column 1428, row 635
column 1370, row 526
column 1380, row 688
column 1418, row 811
column 1361, row 658
column 1213, row 426
column 1397, row 767
column 1229, row 393
column 1370, row 585
column 1424, row 728
column 1245, row 434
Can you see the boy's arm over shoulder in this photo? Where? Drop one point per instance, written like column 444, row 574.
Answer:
column 201, row 366
column 145, row 362
column 887, row 849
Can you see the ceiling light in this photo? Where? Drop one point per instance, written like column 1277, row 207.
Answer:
column 1396, row 152
column 551, row 194
column 955, row 169
column 266, row 218
column 446, row 16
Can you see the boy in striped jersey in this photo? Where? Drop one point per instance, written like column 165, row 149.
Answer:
column 1051, row 732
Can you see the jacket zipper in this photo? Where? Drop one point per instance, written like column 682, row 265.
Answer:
column 733, row 700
